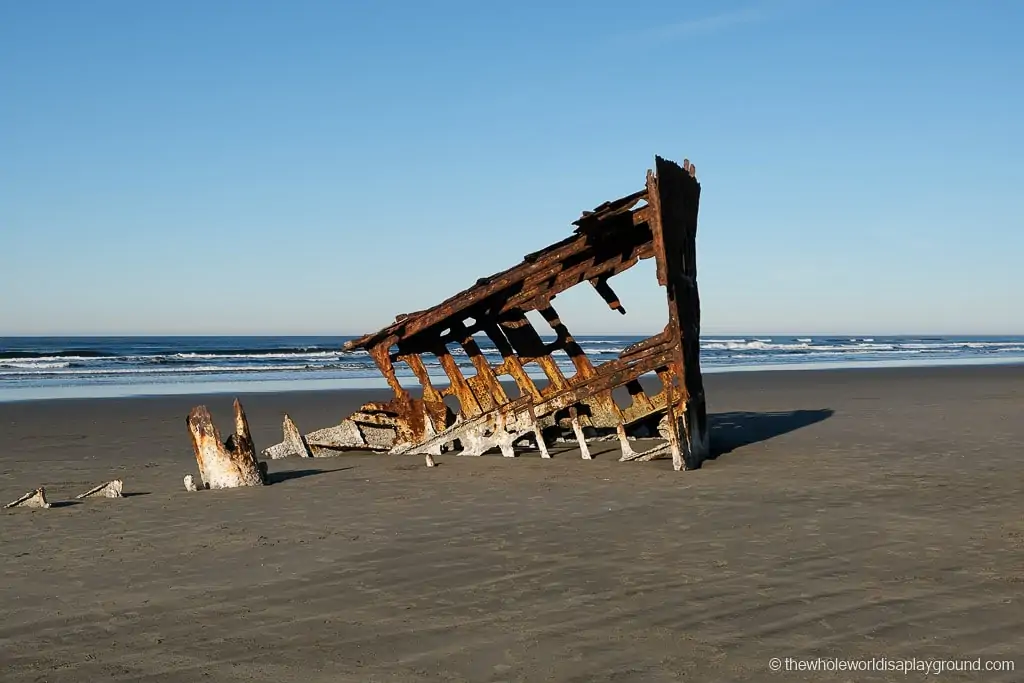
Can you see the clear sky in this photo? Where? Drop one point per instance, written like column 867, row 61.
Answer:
column 291, row 167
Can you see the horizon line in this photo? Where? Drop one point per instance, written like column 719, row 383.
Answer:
column 109, row 335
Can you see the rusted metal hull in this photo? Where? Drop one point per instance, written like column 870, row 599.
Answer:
column 658, row 222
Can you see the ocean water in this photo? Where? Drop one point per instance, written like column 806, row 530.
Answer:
column 77, row 367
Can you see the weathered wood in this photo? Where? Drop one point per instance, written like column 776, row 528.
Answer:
column 227, row 464
column 429, row 460
column 111, row 489
column 32, row 499
column 190, row 483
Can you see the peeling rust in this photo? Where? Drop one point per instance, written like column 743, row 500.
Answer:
column 660, row 222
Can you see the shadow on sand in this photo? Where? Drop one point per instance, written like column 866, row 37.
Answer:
column 278, row 477
column 730, row 431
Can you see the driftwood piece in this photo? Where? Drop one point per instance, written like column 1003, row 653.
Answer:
column 429, row 460
column 190, row 483
column 111, row 489
column 32, row 499
column 227, row 464
column 294, row 443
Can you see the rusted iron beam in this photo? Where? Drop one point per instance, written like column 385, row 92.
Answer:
column 407, row 325
column 602, row 287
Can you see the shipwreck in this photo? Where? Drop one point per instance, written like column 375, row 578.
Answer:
column 501, row 406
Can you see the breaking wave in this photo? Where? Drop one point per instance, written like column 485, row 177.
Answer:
column 80, row 361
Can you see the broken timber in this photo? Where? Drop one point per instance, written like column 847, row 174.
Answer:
column 659, row 222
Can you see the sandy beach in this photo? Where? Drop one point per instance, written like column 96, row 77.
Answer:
column 851, row 513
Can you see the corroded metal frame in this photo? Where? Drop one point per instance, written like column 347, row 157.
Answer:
column 659, row 222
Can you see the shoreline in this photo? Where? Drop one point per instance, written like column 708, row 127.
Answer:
column 101, row 391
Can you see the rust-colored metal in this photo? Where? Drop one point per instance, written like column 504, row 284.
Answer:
column 660, row 222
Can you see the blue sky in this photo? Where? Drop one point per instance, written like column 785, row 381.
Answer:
column 317, row 167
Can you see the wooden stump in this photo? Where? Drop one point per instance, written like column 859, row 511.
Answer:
column 228, row 464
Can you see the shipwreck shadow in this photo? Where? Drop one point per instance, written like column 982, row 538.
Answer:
column 64, row 503
column 278, row 477
column 729, row 431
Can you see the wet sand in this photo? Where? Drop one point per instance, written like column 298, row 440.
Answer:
column 855, row 514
